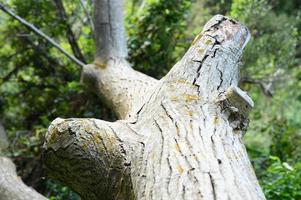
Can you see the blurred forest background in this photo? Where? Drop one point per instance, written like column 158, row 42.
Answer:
column 38, row 83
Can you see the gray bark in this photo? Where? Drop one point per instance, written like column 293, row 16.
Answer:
column 109, row 30
column 3, row 138
column 179, row 137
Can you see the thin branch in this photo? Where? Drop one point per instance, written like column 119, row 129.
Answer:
column 88, row 15
column 70, row 35
column 41, row 34
column 263, row 86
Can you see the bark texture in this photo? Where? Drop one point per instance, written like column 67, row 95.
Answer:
column 179, row 137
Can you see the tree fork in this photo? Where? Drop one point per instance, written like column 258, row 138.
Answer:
column 183, row 138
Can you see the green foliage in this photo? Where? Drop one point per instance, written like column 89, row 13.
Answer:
column 273, row 42
column 60, row 192
column 155, row 32
column 286, row 140
column 38, row 84
column 282, row 181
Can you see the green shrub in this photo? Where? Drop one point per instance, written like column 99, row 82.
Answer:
column 282, row 181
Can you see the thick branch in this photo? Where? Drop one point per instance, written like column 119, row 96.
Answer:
column 121, row 87
column 41, row 34
column 78, row 149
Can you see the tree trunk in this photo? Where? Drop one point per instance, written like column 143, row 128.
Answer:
column 178, row 138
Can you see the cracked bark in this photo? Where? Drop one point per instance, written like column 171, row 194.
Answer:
column 178, row 138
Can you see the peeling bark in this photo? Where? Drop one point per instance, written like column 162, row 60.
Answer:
column 180, row 137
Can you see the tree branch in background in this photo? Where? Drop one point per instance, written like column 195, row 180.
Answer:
column 41, row 34
column 70, row 35
column 263, row 86
column 88, row 15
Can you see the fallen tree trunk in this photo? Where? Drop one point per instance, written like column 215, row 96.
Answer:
column 178, row 138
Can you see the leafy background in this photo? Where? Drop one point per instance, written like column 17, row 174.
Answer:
column 38, row 84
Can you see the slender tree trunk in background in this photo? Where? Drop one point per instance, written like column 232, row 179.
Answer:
column 177, row 138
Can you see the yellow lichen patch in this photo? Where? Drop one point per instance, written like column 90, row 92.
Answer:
column 174, row 98
column 99, row 63
column 197, row 38
column 201, row 51
column 189, row 113
column 209, row 42
column 85, row 146
column 190, row 97
column 97, row 139
column 182, row 81
column 178, row 131
column 177, row 147
column 216, row 120
column 180, row 169
column 53, row 137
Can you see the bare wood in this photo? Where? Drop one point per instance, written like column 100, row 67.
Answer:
column 41, row 34
column 91, row 147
